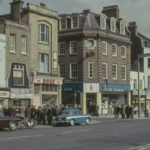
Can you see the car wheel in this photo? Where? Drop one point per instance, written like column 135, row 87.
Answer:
column 12, row 126
column 87, row 121
column 72, row 123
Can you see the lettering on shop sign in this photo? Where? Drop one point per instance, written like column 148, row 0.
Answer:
column 4, row 94
column 116, row 90
column 68, row 89
column 47, row 81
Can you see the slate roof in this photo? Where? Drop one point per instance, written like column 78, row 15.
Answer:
column 146, row 41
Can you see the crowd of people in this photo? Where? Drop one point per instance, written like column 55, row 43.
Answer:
column 93, row 109
column 125, row 111
column 42, row 114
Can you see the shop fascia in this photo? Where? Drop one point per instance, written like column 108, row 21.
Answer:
column 4, row 94
column 21, row 93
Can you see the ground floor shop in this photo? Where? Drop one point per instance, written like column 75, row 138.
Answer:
column 105, row 95
column 46, row 90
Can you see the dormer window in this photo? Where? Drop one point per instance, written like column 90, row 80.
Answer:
column 113, row 24
column 103, row 21
column 63, row 23
column 75, row 22
column 122, row 27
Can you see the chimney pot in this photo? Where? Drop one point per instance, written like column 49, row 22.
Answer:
column 132, row 24
column 86, row 11
column 42, row 5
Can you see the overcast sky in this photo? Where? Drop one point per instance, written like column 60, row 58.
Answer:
column 130, row 10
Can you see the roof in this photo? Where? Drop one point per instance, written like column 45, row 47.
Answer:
column 146, row 40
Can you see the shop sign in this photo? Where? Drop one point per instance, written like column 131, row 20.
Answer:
column 4, row 94
column 136, row 93
column 91, row 87
column 48, row 81
column 67, row 89
column 20, row 91
column 21, row 96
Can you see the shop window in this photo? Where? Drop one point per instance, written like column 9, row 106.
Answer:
column 43, row 33
column 36, row 89
column 148, row 62
column 75, row 22
column 73, row 47
column 123, row 71
column 104, row 71
column 90, row 69
column 123, row 51
column 12, row 42
column 62, row 68
column 134, row 84
column 149, row 82
column 114, row 50
column 63, row 23
column 55, row 88
column 73, row 70
column 114, row 72
column 62, row 48
column 104, row 48
column 18, row 75
column 24, row 45
column 43, row 62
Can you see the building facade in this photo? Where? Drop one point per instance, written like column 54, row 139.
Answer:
column 94, row 58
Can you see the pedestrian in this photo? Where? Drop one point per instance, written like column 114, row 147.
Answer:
column 27, row 112
column 93, row 109
column 10, row 111
column 14, row 111
column 39, row 115
column 33, row 112
column 97, row 110
column 122, row 111
column 127, row 111
column 44, row 115
column 49, row 115
column 58, row 111
column 117, row 111
column 131, row 111
column 5, row 110
column 79, row 107
column 90, row 108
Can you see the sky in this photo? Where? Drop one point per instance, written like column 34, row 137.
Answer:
column 130, row 10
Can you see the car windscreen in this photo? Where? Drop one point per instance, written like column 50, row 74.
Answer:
column 65, row 113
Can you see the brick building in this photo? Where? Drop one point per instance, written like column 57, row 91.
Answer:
column 94, row 58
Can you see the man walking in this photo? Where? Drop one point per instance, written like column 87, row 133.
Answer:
column 33, row 112
column 131, row 111
column 122, row 111
column 49, row 115
column 127, row 111
column 44, row 115
column 5, row 110
column 14, row 111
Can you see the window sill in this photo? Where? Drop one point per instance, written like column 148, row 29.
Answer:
column 13, row 52
column 123, row 57
column 43, row 43
column 24, row 53
column 61, row 54
column 114, row 56
column 104, row 54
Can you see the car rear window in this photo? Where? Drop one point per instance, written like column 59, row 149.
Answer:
column 65, row 113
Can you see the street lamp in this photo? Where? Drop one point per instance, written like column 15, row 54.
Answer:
column 75, row 95
column 139, row 96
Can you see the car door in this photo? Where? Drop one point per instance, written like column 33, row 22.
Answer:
column 82, row 117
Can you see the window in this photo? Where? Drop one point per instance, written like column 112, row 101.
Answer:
column 74, row 70
column 104, row 71
column 103, row 22
column 141, row 84
column 23, row 43
column 36, row 89
column 18, row 75
column 62, row 48
column 62, row 70
column 43, row 62
column 113, row 25
column 12, row 42
column 149, row 82
column 122, row 28
column 43, row 33
column 134, row 84
column 104, row 48
column 75, row 22
column 51, row 88
column 114, row 50
column 63, row 23
column 114, row 72
column 55, row 62
column 123, row 71
column 148, row 62
column 74, row 47
column 123, row 51
column 1, row 55
column 90, row 69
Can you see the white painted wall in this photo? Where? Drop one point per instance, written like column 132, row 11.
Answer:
column 134, row 75
column 2, row 61
column 146, row 69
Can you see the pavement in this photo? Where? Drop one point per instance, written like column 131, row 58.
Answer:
column 107, row 134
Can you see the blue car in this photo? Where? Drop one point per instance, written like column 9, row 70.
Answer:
column 72, row 117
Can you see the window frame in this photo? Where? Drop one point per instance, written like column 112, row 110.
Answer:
column 64, row 70
column 45, row 63
column 72, row 23
column 103, row 26
column 124, row 26
column 61, row 23
column 125, row 51
column 106, row 71
column 25, row 45
column 14, row 43
column 116, row 50
column 71, row 47
column 46, row 34
column 122, row 72
column 63, row 49
column 148, row 63
column 116, row 72
column 102, row 47
column 71, row 70
column 113, row 20
column 89, row 70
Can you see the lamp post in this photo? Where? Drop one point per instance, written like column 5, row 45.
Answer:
column 75, row 95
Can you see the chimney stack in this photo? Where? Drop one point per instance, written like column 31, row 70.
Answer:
column 132, row 24
column 86, row 11
column 42, row 5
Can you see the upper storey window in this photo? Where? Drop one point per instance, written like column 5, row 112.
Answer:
column 63, row 23
column 75, row 21
column 113, row 24
column 122, row 27
column 43, row 33
column 103, row 21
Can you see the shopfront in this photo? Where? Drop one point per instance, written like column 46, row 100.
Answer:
column 46, row 90
column 20, row 98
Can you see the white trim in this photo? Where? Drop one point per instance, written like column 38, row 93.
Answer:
column 105, row 24
column 89, row 70
column 122, row 22
column 106, row 48
column 106, row 71
column 116, row 50
column 125, row 51
column 125, row 72
column 71, row 117
column 113, row 20
column 70, row 47
column 72, row 20
column 116, row 71
column 71, row 71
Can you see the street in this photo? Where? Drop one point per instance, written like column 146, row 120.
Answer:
column 106, row 135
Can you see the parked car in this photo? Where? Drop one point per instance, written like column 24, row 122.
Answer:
column 8, row 122
column 72, row 117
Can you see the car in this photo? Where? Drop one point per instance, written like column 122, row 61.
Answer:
column 8, row 122
column 72, row 117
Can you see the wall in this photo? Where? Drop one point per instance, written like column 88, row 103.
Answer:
column 2, row 61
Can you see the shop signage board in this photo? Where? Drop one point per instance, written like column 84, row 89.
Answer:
column 20, row 91
column 21, row 96
column 4, row 94
column 48, row 81
column 148, row 94
column 136, row 93
column 91, row 87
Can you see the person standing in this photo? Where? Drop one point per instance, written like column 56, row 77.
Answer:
column 79, row 107
column 49, row 115
column 10, row 111
column 33, row 112
column 58, row 111
column 122, row 111
column 44, row 115
column 5, row 110
column 14, row 111
column 127, row 111
column 39, row 115
column 90, row 108
column 93, row 109
column 131, row 111
column 27, row 112
column 117, row 111
column 97, row 110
